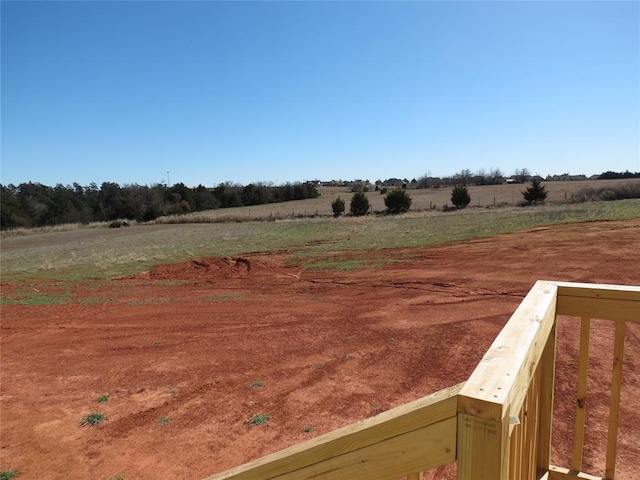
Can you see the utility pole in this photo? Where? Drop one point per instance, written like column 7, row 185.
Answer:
column 168, row 182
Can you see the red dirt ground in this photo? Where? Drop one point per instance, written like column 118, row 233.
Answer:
column 186, row 341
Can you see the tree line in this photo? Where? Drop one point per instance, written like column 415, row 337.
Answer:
column 609, row 175
column 497, row 177
column 37, row 205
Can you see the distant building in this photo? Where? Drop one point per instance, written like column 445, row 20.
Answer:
column 393, row 182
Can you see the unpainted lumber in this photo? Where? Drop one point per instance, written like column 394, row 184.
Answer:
column 545, row 419
column 607, row 302
column 559, row 473
column 614, row 409
column 437, row 409
column 499, row 384
column 581, row 396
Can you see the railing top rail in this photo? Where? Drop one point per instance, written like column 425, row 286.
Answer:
column 599, row 290
column 342, row 453
column 607, row 302
column 498, row 385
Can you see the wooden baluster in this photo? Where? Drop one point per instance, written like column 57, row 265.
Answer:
column 545, row 417
column 614, row 409
column 581, row 398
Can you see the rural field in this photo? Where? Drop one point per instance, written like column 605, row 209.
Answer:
column 486, row 196
column 197, row 347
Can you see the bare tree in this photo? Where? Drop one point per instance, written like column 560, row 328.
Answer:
column 522, row 175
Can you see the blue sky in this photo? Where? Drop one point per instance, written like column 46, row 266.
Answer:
column 293, row 91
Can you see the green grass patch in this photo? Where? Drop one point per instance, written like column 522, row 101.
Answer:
column 150, row 301
column 260, row 419
column 73, row 258
column 167, row 283
column 29, row 296
column 9, row 473
column 95, row 301
column 257, row 384
column 342, row 265
column 92, row 419
column 335, row 264
column 35, row 298
column 162, row 420
column 102, row 399
column 226, row 297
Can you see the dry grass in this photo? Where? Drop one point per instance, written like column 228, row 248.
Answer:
column 487, row 196
column 207, row 217
column 67, row 227
column 607, row 193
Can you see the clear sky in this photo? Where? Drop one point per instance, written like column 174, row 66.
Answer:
column 292, row 91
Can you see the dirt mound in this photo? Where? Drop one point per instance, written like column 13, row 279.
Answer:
column 204, row 269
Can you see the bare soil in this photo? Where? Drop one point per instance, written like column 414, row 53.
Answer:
column 192, row 343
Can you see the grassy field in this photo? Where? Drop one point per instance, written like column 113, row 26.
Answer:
column 488, row 196
column 103, row 253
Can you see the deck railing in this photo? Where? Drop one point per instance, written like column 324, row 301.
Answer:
column 496, row 426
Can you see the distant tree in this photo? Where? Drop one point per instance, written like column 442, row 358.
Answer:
column 460, row 196
column 11, row 214
column 463, row 177
column 299, row 192
column 312, row 191
column 338, row 207
column 205, row 199
column 228, row 195
column 480, row 178
column 522, row 175
column 255, row 194
column 359, row 204
column 397, row 201
column 63, row 206
column 428, row 182
column 180, row 192
column 34, row 205
column 535, row 193
column 495, row 176
column 610, row 175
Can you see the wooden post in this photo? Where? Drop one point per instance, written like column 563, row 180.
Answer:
column 498, row 388
column 483, row 448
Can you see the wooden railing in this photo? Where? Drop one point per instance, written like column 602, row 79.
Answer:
column 496, row 426
column 607, row 302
